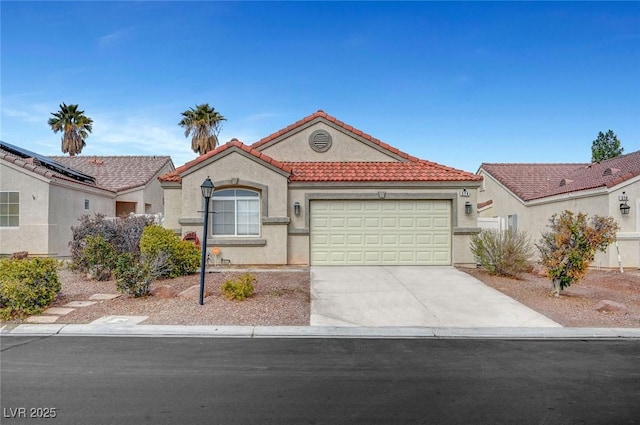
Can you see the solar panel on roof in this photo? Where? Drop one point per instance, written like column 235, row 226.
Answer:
column 48, row 163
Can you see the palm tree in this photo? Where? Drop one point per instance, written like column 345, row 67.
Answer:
column 204, row 123
column 75, row 127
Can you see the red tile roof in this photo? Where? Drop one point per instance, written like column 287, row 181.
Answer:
column 375, row 171
column 411, row 169
column 175, row 176
column 535, row 181
column 528, row 180
column 117, row 173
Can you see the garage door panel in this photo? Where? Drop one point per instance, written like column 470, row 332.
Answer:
column 372, row 222
column 389, row 223
column 372, row 240
column 440, row 256
column 424, row 257
column 389, row 257
column 381, row 232
column 337, row 257
column 355, row 222
column 441, row 223
column 407, row 222
column 424, row 223
column 320, row 222
column 441, row 240
column 372, row 257
column 355, row 257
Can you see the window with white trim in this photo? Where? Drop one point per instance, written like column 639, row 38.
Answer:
column 9, row 209
column 236, row 212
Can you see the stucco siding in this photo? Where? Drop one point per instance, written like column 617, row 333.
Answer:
column 151, row 194
column 533, row 216
column 32, row 233
column 172, row 206
column 67, row 205
column 343, row 148
column 236, row 170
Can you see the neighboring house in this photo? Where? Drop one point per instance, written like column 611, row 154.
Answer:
column 525, row 196
column 133, row 178
column 321, row 192
column 42, row 198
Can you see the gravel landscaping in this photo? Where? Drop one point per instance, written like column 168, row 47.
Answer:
column 281, row 298
column 605, row 298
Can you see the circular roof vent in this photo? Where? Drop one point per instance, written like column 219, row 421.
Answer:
column 320, row 140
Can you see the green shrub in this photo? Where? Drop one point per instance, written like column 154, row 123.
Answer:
column 133, row 277
column 100, row 257
column 502, row 253
column 239, row 288
column 27, row 286
column 182, row 257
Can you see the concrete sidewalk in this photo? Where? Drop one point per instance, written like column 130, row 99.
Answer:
column 102, row 330
column 425, row 296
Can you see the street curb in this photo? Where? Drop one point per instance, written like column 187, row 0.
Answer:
column 316, row 332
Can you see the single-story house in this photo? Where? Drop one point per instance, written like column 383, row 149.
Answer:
column 525, row 196
column 321, row 192
column 134, row 179
column 41, row 198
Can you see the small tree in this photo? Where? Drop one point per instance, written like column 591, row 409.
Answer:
column 571, row 244
column 606, row 146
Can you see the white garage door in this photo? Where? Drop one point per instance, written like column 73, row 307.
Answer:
column 381, row 232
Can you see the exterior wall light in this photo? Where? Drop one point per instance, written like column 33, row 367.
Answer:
column 296, row 208
column 468, row 208
column 624, row 207
column 207, row 191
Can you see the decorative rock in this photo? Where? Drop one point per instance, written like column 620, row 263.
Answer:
column 611, row 307
column 20, row 255
column 164, row 291
column 539, row 270
column 194, row 292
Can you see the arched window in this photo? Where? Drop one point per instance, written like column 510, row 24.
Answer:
column 236, row 212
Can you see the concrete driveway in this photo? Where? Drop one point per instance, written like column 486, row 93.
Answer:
column 430, row 296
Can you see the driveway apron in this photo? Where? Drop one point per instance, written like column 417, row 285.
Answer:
column 433, row 296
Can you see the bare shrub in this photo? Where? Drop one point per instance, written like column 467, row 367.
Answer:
column 504, row 253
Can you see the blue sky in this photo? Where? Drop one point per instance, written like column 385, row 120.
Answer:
column 452, row 82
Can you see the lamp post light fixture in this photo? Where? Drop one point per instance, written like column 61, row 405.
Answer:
column 207, row 191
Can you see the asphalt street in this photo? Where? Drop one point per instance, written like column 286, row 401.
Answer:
column 138, row 380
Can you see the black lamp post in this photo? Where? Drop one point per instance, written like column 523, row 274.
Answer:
column 207, row 192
